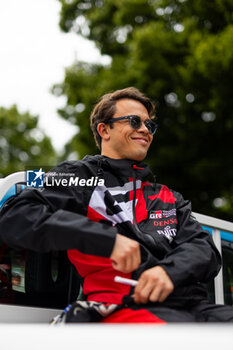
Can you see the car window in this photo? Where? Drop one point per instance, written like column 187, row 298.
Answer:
column 227, row 256
column 34, row 279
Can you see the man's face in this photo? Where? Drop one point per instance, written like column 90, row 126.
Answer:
column 123, row 141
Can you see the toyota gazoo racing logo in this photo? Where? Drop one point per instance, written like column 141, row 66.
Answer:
column 159, row 214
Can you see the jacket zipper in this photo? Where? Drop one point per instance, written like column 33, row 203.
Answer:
column 134, row 202
column 142, row 235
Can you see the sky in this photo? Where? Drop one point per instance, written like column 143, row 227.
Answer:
column 33, row 56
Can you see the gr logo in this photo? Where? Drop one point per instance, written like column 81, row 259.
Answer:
column 35, row 178
column 156, row 214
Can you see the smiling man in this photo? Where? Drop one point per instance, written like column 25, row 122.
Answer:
column 122, row 140
column 126, row 226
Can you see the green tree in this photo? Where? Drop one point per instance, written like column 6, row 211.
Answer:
column 178, row 52
column 22, row 143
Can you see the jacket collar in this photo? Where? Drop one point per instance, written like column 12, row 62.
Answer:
column 121, row 167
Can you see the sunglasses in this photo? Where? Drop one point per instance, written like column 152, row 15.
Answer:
column 136, row 122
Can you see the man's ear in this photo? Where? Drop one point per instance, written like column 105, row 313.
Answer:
column 103, row 130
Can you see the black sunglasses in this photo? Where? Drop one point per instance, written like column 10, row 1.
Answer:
column 136, row 123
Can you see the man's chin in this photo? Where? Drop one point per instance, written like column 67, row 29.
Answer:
column 139, row 157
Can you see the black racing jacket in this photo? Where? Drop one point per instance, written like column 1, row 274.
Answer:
column 105, row 197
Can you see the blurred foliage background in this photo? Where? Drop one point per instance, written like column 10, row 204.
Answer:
column 22, row 143
column 180, row 54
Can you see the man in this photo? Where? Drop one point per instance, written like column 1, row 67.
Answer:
column 121, row 224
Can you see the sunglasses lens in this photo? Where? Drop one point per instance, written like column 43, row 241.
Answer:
column 135, row 122
column 151, row 126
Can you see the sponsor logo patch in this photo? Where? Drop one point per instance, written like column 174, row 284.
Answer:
column 156, row 214
column 159, row 214
column 168, row 232
column 170, row 221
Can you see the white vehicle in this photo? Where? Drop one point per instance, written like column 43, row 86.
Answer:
column 34, row 287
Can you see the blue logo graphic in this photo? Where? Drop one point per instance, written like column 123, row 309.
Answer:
column 35, row 178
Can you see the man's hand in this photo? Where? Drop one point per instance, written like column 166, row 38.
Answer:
column 125, row 255
column 153, row 285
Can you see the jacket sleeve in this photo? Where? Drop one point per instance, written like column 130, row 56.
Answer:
column 54, row 219
column 194, row 257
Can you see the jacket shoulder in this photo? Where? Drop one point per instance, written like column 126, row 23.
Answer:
column 68, row 166
column 167, row 194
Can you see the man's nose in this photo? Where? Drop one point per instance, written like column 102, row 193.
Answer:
column 143, row 128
